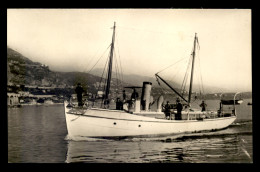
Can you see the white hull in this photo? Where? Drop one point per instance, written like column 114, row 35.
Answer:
column 114, row 123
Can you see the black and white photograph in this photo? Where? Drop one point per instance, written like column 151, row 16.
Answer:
column 129, row 85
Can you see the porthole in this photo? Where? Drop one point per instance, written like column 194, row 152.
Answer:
column 114, row 123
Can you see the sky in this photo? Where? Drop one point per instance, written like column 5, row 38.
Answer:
column 147, row 40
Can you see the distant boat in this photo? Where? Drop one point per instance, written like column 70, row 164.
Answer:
column 138, row 120
column 231, row 102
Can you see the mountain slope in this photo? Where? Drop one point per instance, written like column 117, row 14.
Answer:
column 22, row 71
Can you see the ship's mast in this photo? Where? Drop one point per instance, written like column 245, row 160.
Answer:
column 192, row 68
column 110, row 63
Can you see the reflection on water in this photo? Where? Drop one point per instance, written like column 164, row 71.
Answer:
column 37, row 134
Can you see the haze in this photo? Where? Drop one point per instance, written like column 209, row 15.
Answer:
column 147, row 40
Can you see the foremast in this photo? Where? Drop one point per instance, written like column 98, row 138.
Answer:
column 110, row 64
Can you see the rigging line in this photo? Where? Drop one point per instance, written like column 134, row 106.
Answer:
column 185, row 77
column 120, row 68
column 90, row 62
column 198, row 79
column 172, row 65
column 92, row 59
column 163, row 90
column 105, row 81
column 178, row 70
column 102, row 75
column 105, row 78
column 115, row 57
column 200, row 84
column 104, row 86
column 119, row 57
column 172, row 89
column 188, row 68
column 184, row 87
column 166, row 91
column 203, row 91
column 200, row 72
column 195, row 102
column 116, row 71
column 174, row 84
column 144, row 30
column 119, row 82
column 198, row 43
column 176, row 73
column 116, row 65
column 99, row 58
column 122, row 76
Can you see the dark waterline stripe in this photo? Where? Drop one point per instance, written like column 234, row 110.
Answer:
column 170, row 121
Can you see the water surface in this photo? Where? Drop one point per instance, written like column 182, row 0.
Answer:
column 38, row 134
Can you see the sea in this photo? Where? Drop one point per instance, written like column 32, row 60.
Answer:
column 38, row 134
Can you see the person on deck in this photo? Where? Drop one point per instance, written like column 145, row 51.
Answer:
column 119, row 104
column 124, row 96
column 179, row 109
column 79, row 90
column 106, row 103
column 203, row 105
column 167, row 110
column 134, row 95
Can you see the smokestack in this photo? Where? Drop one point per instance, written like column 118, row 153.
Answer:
column 146, row 93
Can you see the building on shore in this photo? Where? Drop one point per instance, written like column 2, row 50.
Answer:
column 13, row 99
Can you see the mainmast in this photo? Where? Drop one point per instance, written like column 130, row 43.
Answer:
column 192, row 68
column 110, row 63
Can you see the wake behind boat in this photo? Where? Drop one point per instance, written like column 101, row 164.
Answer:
column 134, row 118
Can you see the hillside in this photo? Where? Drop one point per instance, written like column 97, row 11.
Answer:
column 22, row 71
column 132, row 79
column 15, row 56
